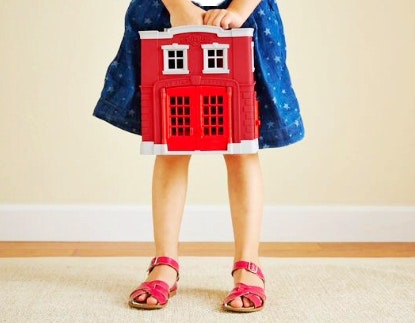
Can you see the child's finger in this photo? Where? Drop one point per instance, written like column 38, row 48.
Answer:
column 226, row 21
column 214, row 17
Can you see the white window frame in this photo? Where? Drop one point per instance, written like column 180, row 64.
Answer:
column 206, row 57
column 175, row 48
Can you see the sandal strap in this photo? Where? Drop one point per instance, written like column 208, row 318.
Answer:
column 167, row 261
column 249, row 266
column 255, row 294
column 156, row 288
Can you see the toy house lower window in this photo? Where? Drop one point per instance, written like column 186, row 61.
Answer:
column 215, row 58
column 213, row 115
column 175, row 59
column 180, row 116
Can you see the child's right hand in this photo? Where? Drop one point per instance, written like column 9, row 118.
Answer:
column 184, row 12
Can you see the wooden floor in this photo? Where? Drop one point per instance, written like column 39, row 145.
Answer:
column 203, row 249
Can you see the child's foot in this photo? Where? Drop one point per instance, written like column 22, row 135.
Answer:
column 249, row 293
column 247, row 278
column 161, row 272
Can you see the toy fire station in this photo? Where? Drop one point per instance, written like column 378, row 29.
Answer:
column 197, row 91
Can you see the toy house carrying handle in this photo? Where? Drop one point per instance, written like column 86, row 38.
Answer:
column 198, row 91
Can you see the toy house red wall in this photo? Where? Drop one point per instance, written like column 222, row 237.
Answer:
column 211, row 90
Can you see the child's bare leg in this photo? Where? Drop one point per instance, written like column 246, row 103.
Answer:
column 246, row 202
column 169, row 195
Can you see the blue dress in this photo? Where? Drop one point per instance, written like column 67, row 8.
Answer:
column 281, row 122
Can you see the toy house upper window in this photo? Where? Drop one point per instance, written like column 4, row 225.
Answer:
column 215, row 58
column 175, row 59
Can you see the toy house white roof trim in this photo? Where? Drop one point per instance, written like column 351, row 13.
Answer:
column 171, row 32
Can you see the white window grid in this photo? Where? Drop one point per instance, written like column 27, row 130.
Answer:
column 215, row 58
column 175, row 59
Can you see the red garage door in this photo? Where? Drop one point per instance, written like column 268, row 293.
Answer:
column 198, row 118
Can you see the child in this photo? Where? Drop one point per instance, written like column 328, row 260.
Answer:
column 281, row 125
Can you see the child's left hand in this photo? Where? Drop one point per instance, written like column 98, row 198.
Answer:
column 224, row 18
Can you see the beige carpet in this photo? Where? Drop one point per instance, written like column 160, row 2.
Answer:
column 299, row 290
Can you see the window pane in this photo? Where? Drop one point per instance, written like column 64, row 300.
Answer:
column 172, row 64
column 180, row 63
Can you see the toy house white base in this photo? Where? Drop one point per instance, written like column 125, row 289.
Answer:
column 244, row 147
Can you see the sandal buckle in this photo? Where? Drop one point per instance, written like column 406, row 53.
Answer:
column 252, row 268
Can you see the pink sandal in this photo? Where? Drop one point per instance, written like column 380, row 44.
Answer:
column 156, row 288
column 254, row 293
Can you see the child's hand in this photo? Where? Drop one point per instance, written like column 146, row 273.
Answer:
column 185, row 13
column 224, row 18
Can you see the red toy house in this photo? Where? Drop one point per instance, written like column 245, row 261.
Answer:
column 197, row 88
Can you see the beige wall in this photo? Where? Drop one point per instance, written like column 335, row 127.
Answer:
column 352, row 64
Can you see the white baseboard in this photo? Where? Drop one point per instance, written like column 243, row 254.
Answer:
column 206, row 223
